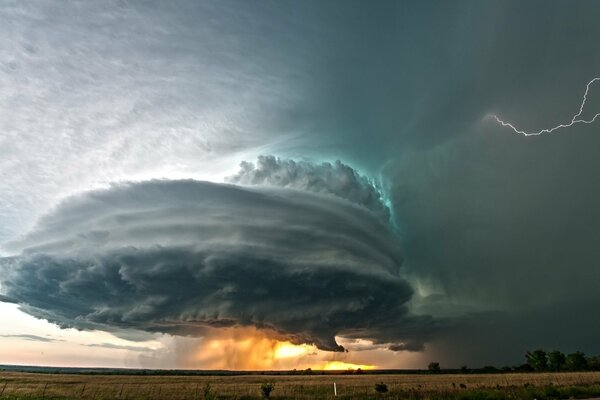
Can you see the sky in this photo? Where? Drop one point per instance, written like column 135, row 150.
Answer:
column 285, row 184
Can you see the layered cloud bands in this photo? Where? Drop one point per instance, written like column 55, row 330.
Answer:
column 181, row 256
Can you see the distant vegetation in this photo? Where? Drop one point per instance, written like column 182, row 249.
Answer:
column 556, row 361
column 427, row 386
column 434, row 367
column 545, row 375
column 536, row 361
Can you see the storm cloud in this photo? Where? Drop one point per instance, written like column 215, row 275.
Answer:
column 180, row 257
column 499, row 232
column 337, row 179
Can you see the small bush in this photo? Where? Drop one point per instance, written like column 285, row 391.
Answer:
column 551, row 392
column 266, row 389
column 207, row 392
column 381, row 387
column 434, row 367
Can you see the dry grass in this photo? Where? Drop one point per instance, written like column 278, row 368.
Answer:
column 36, row 386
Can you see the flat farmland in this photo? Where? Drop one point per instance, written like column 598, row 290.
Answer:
column 17, row 385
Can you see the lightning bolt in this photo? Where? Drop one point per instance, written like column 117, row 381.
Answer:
column 574, row 121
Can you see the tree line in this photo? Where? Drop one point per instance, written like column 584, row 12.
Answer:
column 536, row 361
column 540, row 360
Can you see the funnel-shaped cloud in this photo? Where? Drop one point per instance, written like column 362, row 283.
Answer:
column 180, row 256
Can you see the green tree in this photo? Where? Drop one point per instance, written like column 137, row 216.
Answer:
column 556, row 360
column 576, row 361
column 593, row 363
column 434, row 367
column 537, row 359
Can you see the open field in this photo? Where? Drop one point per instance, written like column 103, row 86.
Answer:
column 15, row 385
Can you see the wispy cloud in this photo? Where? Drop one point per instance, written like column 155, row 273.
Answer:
column 143, row 97
column 119, row 347
column 34, row 338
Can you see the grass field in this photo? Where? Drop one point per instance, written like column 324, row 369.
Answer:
column 15, row 385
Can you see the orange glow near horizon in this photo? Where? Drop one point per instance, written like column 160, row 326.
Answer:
column 251, row 349
column 341, row 365
column 287, row 349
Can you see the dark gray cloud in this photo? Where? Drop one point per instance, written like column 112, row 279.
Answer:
column 503, row 233
column 500, row 235
column 503, row 338
column 337, row 179
column 408, row 346
column 5, row 299
column 181, row 256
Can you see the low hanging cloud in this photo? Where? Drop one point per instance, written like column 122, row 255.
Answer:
column 337, row 179
column 183, row 257
column 33, row 338
column 113, row 346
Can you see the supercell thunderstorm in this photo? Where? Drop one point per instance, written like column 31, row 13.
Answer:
column 282, row 250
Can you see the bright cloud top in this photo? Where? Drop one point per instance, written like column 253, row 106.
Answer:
column 337, row 179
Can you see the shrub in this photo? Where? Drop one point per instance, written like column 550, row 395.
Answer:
column 266, row 389
column 552, row 392
column 207, row 392
column 381, row 387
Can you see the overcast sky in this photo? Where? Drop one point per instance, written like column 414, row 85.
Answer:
column 439, row 233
